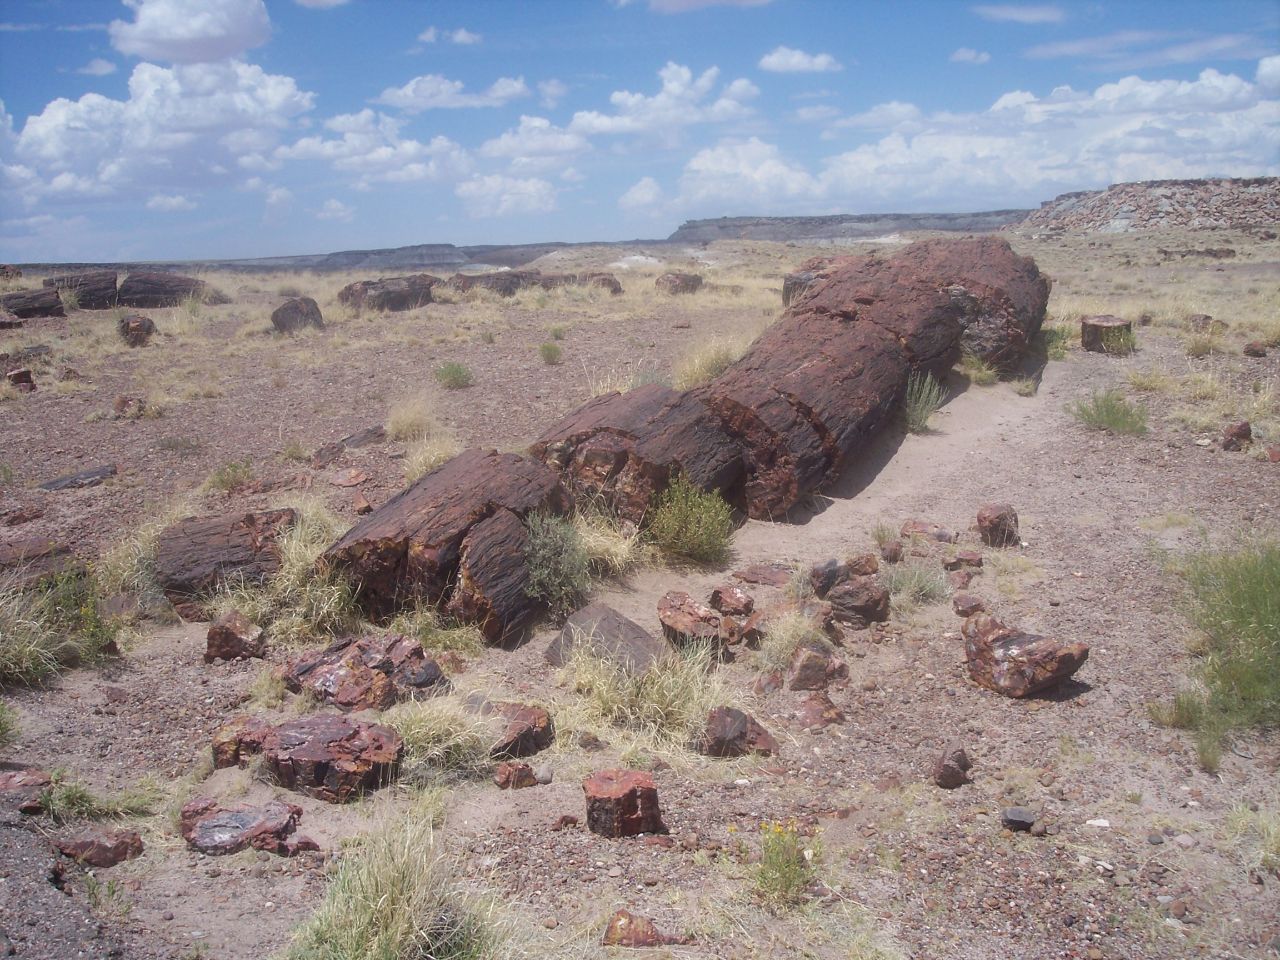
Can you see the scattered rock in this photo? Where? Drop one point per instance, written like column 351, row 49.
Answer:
column 233, row 635
column 101, row 848
column 731, row 733
column 817, row 711
column 622, row 803
column 529, row 730
column 892, row 552
column 1014, row 663
column 367, row 673
column 966, row 604
column 860, row 601
column 330, row 757
column 677, row 283
column 392, row 294
column 1018, row 819
column 998, row 525
column 960, row 579
column 219, row 831
column 25, row 304
column 20, row 789
column 930, row 531
column 25, row 562
column 610, row 636
column 9, row 322
column 135, row 329
column 351, row 477
column 361, row 504
column 81, row 480
column 514, row 776
column 765, row 574
column 21, row 380
column 1254, row 348
column 1237, row 436
column 626, row 929
column 297, row 313
column 732, row 600
column 686, row 621
column 951, row 770
column 814, row 669
column 965, row 558
column 1203, row 323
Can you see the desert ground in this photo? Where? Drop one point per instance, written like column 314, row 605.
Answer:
column 1148, row 844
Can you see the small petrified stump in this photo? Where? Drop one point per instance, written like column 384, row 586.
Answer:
column 818, row 711
column 951, row 770
column 731, row 733
column 211, row 829
column 367, row 673
column 608, row 635
column 297, row 313
column 1203, row 323
column 1014, row 663
column 1105, row 334
column 100, row 848
column 528, row 730
column 1237, row 436
column 622, row 803
column 1254, row 348
column 233, row 635
column 860, row 601
column 9, row 322
column 626, row 929
column 892, row 552
column 135, row 329
column 685, row 620
column 329, row 757
column 514, row 776
column 677, row 283
column 814, row 669
column 81, row 480
column 998, row 525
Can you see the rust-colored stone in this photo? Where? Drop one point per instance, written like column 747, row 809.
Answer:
column 998, row 525
column 730, row 732
column 219, row 831
column 1014, row 663
column 511, row 775
column 528, row 730
column 622, row 803
column 367, row 673
column 101, row 848
column 234, row 635
column 626, row 929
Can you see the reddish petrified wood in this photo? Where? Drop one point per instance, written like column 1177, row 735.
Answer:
column 197, row 554
column 1014, row 663
column 297, row 313
column 135, row 329
column 492, row 578
column 860, row 601
column 43, row 302
column 622, row 803
column 367, row 673
column 1104, row 334
column 93, row 290
column 410, row 547
column 389, row 294
column 626, row 929
column 998, row 525
column 676, row 283
column 101, row 848
column 731, row 733
column 626, row 447
column 528, row 730
column 234, row 635
column 156, row 289
column 211, row 829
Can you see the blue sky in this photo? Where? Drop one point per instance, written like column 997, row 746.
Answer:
column 157, row 129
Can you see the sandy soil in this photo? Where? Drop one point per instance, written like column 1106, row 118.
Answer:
column 907, row 869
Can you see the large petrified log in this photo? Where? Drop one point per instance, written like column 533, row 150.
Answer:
column 626, row 447
column 95, row 290
column 411, row 547
column 25, row 304
column 389, row 294
column 156, row 289
column 195, row 555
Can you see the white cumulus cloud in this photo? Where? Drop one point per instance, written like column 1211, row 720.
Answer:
column 535, row 145
column 645, row 194
column 499, row 196
column 683, row 101
column 170, row 203
column 435, row 92
column 969, row 55
column 97, row 67
column 464, row 37
column 552, row 92
column 787, row 60
column 191, row 31
column 335, row 210
column 1020, row 13
column 429, row 35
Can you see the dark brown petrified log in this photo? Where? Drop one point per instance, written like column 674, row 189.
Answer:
column 95, row 290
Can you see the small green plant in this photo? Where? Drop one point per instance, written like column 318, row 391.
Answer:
column 70, row 297
column 64, row 801
column 1119, row 341
column 487, row 336
column 1150, row 381
column 230, row 476
column 1026, row 386
column 106, row 899
column 924, row 396
column 787, row 864
column 181, row 446
column 556, row 333
column 394, row 897
column 423, row 623
column 550, row 353
column 454, row 376
column 8, row 726
column 1057, row 339
column 692, row 524
column 1258, row 834
column 785, row 635
column 914, row 584
column 979, row 372
column 558, row 565
column 6, row 475
column 1108, row 410
column 883, row 533
column 1201, row 345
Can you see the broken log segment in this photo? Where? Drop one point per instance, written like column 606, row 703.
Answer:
column 1105, row 334
column 410, row 548
column 157, row 289
column 94, row 290
column 25, row 304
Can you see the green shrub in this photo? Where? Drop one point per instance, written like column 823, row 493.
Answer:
column 50, row 626
column 924, row 396
column 558, row 564
column 692, row 524
column 453, row 376
column 230, row 476
column 550, row 353
column 557, row 333
column 63, row 800
column 8, row 726
column 1058, row 339
column 786, row 867
column 1109, row 410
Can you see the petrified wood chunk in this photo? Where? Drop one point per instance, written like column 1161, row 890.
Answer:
column 135, row 329
column 998, row 525
column 675, row 283
column 389, row 294
column 622, row 803
column 860, row 601
column 25, row 562
column 1014, row 663
column 197, row 554
column 211, row 829
column 1104, row 334
column 731, row 733
column 156, row 289
column 330, row 757
column 94, row 290
column 82, row 479
column 527, row 730
column 492, row 578
column 98, row 847
column 626, row 448
column 367, row 673
column 607, row 634
column 297, row 313
column 410, row 547
column 24, row 304
column 234, row 635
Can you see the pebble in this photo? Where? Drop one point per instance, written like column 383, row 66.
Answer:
column 1185, row 841
column 543, row 774
column 615, row 871
column 1155, row 839
column 551, row 923
column 1104, row 824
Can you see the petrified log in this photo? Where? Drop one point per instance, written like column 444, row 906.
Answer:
column 24, row 304
column 492, row 577
column 156, row 289
column 95, row 290
column 219, row 831
column 596, row 279
column 1105, row 334
column 410, row 548
column 676, row 283
column 99, row 847
column 1014, row 663
column 234, row 635
column 135, row 329
column 81, row 479
column 622, row 803
column 505, row 284
column 389, row 294
column 9, row 322
column 197, row 554
column 731, row 733
column 366, row 673
column 626, row 447
column 296, row 314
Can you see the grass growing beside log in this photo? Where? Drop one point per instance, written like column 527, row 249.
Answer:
column 1235, row 603
column 558, row 565
column 692, row 524
column 913, row 584
column 8, row 726
column 64, row 801
column 442, row 742
column 924, row 396
column 707, row 361
column 49, row 626
column 1108, row 410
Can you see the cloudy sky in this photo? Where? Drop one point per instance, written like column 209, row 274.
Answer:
column 156, row 129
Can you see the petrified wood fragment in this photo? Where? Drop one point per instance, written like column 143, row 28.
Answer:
column 389, row 294
column 155, row 289
column 492, row 577
column 367, row 673
column 94, row 290
column 24, row 304
column 1014, row 663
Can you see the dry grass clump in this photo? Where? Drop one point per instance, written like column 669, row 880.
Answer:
column 1108, row 410
column 428, row 453
column 298, row 604
column 49, row 626
column 787, row 634
column 8, row 726
column 394, row 898
column 706, row 361
column 430, row 443
column 64, row 801
column 923, row 398
column 230, row 476
column 624, row 379
column 411, row 419
column 454, row 376
column 979, row 372
column 912, row 584
column 424, row 623
column 614, row 547
column 550, row 353
column 442, row 741
column 1257, row 832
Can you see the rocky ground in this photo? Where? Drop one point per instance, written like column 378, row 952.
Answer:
column 1134, row 854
